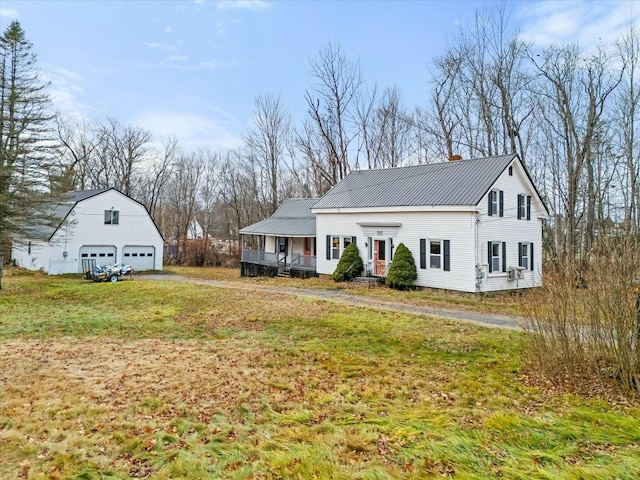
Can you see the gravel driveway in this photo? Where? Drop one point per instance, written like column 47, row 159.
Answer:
column 340, row 296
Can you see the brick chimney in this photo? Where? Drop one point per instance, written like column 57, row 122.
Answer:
column 454, row 158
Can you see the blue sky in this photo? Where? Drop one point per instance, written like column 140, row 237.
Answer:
column 194, row 68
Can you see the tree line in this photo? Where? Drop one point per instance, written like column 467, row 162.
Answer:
column 570, row 113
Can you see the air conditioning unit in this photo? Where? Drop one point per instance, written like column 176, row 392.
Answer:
column 511, row 273
column 520, row 273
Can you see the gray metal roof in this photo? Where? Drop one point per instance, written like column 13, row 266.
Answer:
column 83, row 194
column 57, row 212
column 296, row 208
column 283, row 227
column 293, row 218
column 462, row 182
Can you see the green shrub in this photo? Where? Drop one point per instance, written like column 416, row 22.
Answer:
column 350, row 264
column 402, row 272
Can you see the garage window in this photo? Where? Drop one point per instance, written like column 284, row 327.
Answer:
column 111, row 217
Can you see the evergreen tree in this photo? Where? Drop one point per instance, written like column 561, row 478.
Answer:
column 25, row 139
column 350, row 264
column 402, row 272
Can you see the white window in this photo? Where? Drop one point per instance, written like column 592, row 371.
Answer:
column 495, row 257
column 524, row 207
column 435, row 254
column 493, row 202
column 525, row 255
column 496, row 203
column 335, row 248
column 111, row 217
column 345, row 242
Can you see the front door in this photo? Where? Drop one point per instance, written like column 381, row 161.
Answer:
column 379, row 258
column 307, row 252
column 283, row 245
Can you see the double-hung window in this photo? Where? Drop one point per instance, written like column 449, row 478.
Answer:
column 497, row 257
column 335, row 248
column 524, row 207
column 496, row 203
column 111, row 217
column 525, row 255
column 336, row 245
column 436, row 253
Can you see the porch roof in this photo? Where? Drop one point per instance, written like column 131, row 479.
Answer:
column 283, row 227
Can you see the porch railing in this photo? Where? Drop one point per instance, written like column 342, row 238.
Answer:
column 259, row 257
column 303, row 261
column 296, row 260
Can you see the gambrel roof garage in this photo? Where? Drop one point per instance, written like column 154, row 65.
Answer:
column 103, row 224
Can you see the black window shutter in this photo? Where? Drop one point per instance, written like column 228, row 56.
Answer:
column 520, row 254
column 328, row 247
column 501, row 203
column 530, row 255
column 423, row 253
column 447, row 259
column 490, row 258
column 353, row 240
column 491, row 203
column 520, row 204
column 504, row 256
column 528, row 207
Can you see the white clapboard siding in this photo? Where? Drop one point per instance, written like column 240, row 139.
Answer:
column 84, row 227
column 511, row 230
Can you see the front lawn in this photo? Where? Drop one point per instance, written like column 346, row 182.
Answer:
column 162, row 379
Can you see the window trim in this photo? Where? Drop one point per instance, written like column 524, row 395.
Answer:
column 445, row 254
column 529, row 264
column 112, row 217
column 496, row 203
column 336, row 245
column 432, row 256
column 502, row 256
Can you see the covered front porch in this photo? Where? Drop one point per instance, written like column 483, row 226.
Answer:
column 284, row 244
column 278, row 256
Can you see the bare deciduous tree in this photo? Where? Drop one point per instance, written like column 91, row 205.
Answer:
column 267, row 140
column 331, row 107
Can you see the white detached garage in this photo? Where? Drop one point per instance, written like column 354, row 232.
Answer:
column 104, row 225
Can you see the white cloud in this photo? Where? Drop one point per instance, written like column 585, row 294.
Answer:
column 193, row 131
column 586, row 22
column 65, row 91
column 256, row 5
column 168, row 30
column 8, row 12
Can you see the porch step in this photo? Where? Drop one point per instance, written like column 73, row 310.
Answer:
column 285, row 274
column 371, row 281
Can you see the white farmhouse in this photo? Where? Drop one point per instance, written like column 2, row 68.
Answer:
column 104, row 225
column 471, row 225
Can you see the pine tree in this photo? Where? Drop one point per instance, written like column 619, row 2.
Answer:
column 402, row 272
column 25, row 139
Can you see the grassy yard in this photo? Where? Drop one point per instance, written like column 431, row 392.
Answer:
column 161, row 379
column 505, row 303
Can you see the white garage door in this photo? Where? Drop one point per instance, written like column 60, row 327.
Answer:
column 140, row 258
column 102, row 254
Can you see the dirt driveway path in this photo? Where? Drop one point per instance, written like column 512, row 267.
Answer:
column 494, row 320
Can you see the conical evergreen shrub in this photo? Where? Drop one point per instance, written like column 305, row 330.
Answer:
column 402, row 272
column 350, row 264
